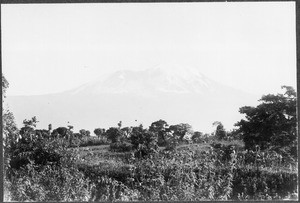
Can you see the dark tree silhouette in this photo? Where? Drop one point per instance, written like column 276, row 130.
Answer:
column 114, row 134
column 271, row 124
column 160, row 127
column 220, row 130
column 180, row 130
column 99, row 132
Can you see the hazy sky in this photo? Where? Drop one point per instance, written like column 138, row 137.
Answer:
column 49, row 48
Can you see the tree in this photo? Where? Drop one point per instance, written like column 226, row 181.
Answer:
column 114, row 134
column 70, row 127
column 85, row 133
column 271, row 124
column 197, row 137
column 127, row 131
column 30, row 123
column 160, row 127
column 99, row 132
column 120, row 124
column 10, row 130
column 27, row 133
column 5, row 85
column 42, row 134
column 143, row 141
column 60, row 131
column 10, row 134
column 181, row 130
column 220, row 131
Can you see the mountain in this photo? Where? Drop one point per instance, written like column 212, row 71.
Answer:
column 161, row 79
column 174, row 93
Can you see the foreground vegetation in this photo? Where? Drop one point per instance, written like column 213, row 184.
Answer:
column 258, row 161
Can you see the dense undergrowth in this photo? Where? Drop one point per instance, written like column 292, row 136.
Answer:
column 208, row 171
column 159, row 163
column 189, row 174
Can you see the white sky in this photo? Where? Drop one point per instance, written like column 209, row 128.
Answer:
column 49, row 48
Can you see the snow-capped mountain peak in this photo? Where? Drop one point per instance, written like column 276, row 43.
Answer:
column 164, row 78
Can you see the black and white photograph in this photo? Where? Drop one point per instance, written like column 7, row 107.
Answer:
column 149, row 101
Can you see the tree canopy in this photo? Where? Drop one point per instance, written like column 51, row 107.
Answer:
column 182, row 129
column 271, row 124
column 160, row 127
column 220, row 130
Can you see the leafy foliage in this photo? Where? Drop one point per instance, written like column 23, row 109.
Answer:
column 160, row 127
column 272, row 124
column 143, row 141
column 220, row 131
column 114, row 134
column 181, row 130
column 85, row 133
column 99, row 132
column 5, row 85
column 49, row 183
column 197, row 137
column 43, row 169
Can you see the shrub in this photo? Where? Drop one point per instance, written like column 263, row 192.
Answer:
column 108, row 189
column 253, row 184
column 45, row 170
column 50, row 183
column 54, row 181
column 75, row 142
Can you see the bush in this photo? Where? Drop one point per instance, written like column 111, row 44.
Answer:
column 253, row 184
column 224, row 150
column 182, row 175
column 75, row 142
column 54, row 181
column 108, row 189
column 44, row 170
column 51, row 183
